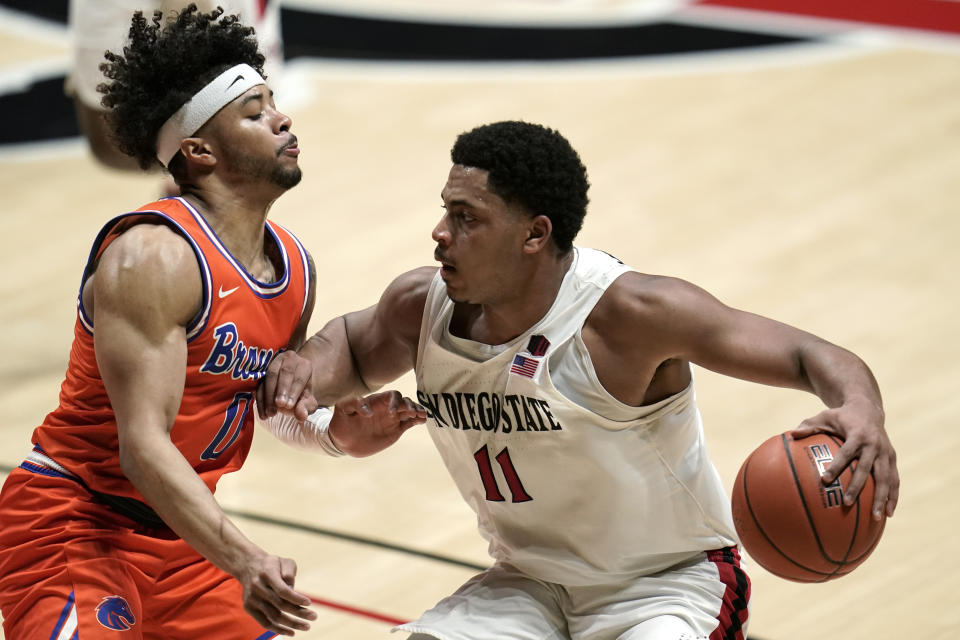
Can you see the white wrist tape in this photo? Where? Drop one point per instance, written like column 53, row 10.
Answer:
column 311, row 435
column 205, row 104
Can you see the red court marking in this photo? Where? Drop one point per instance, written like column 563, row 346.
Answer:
column 373, row 615
column 932, row 15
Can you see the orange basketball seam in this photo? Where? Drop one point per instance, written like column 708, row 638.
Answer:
column 856, row 522
column 806, row 509
column 773, row 545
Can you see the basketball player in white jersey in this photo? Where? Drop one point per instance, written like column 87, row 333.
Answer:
column 558, row 391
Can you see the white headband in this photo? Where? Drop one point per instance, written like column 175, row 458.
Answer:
column 221, row 91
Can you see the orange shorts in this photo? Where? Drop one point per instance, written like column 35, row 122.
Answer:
column 72, row 569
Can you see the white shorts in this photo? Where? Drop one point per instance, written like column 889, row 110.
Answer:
column 705, row 598
column 97, row 26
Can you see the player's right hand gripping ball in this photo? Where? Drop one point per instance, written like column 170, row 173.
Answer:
column 792, row 524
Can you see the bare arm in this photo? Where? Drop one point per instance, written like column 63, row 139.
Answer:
column 144, row 292
column 650, row 321
column 383, row 339
column 353, row 354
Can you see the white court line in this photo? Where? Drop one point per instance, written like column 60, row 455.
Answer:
column 26, row 25
column 553, row 13
column 17, row 77
column 43, row 150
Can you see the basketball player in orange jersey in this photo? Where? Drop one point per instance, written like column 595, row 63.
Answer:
column 558, row 390
column 109, row 526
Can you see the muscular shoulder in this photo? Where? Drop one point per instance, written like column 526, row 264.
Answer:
column 645, row 298
column 406, row 296
column 650, row 309
column 395, row 319
column 152, row 268
column 383, row 338
column 636, row 336
column 151, row 243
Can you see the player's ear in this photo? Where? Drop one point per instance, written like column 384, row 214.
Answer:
column 198, row 151
column 539, row 231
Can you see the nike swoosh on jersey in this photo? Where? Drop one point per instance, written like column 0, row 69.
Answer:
column 223, row 294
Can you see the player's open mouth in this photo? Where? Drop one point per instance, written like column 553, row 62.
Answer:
column 445, row 265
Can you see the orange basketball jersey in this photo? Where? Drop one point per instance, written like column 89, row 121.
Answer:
column 241, row 326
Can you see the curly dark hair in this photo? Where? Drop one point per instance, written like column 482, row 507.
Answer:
column 163, row 66
column 534, row 166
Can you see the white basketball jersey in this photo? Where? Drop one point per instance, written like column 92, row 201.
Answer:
column 569, row 485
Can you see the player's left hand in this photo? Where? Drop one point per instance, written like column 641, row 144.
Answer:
column 859, row 423
column 286, row 387
column 363, row 426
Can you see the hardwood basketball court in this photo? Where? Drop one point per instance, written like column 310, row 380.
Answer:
column 816, row 183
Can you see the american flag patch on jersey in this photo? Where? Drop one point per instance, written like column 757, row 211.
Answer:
column 524, row 366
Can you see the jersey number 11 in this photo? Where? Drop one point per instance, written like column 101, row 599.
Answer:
column 517, row 492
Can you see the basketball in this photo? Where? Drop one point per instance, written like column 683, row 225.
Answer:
column 792, row 524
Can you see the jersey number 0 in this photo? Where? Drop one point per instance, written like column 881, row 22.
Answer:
column 233, row 421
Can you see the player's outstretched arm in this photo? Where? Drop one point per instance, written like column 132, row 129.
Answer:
column 363, row 425
column 680, row 321
column 351, row 355
column 143, row 294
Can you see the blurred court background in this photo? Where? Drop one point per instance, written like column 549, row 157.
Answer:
column 797, row 159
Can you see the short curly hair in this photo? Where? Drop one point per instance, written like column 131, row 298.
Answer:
column 165, row 63
column 534, row 166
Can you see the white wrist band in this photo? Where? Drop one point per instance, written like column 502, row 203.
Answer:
column 311, row 435
column 320, row 420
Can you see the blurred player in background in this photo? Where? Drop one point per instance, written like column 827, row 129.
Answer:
column 98, row 26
